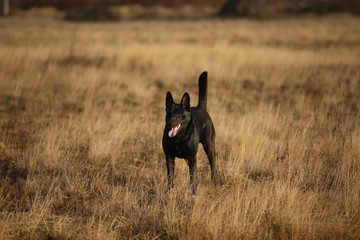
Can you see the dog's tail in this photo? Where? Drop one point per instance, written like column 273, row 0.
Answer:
column 202, row 90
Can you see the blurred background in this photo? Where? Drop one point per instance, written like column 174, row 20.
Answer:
column 111, row 10
column 82, row 108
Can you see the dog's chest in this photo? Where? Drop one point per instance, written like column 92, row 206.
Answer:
column 181, row 151
column 184, row 149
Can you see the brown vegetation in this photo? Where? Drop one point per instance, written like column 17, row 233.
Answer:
column 82, row 113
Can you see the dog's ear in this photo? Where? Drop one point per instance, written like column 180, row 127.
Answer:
column 169, row 99
column 185, row 101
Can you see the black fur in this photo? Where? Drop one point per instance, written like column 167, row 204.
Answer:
column 191, row 126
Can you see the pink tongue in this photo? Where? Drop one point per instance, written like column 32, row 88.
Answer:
column 174, row 131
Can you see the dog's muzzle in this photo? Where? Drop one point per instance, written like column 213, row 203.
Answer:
column 174, row 130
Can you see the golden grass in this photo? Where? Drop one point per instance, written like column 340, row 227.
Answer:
column 82, row 113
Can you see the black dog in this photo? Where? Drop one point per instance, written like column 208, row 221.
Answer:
column 185, row 128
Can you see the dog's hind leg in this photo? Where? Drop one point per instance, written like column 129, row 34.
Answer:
column 193, row 170
column 170, row 165
column 209, row 147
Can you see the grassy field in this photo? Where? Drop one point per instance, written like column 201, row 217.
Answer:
column 82, row 110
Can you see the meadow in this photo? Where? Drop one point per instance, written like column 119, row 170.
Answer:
column 82, row 110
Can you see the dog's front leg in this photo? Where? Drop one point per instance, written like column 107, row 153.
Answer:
column 170, row 165
column 193, row 169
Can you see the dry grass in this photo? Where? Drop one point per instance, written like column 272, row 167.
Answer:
column 82, row 113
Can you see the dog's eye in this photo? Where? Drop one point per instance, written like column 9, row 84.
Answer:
column 183, row 117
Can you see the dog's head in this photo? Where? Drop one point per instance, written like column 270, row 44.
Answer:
column 177, row 115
